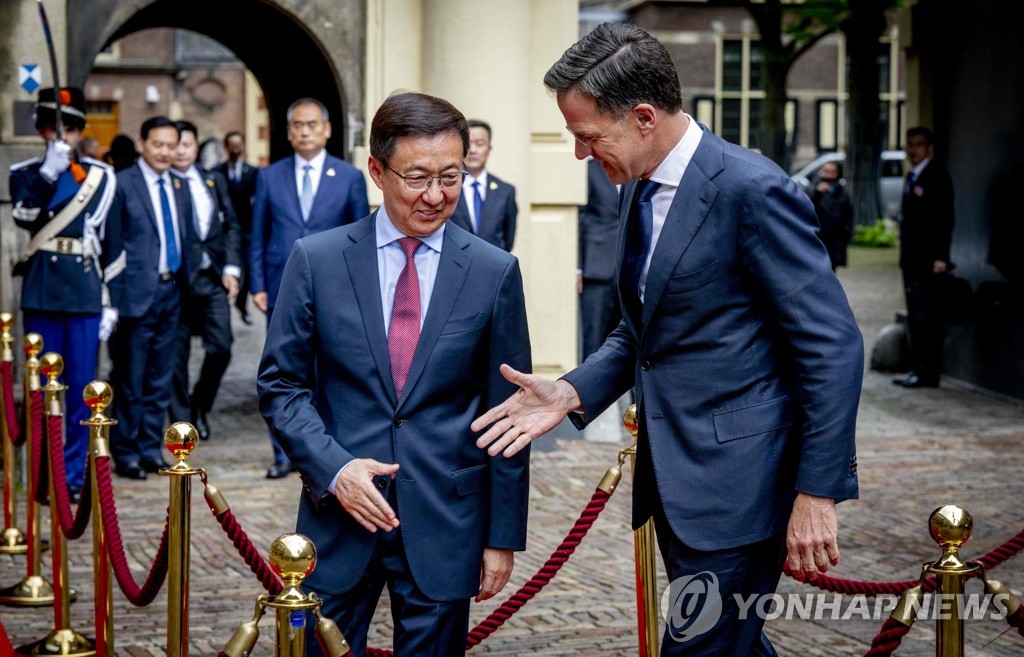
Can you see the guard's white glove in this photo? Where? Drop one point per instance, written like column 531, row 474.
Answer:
column 107, row 322
column 57, row 160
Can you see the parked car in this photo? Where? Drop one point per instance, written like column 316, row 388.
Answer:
column 890, row 179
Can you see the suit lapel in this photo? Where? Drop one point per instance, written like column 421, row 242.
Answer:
column 461, row 215
column 495, row 190
column 288, row 183
column 686, row 215
column 451, row 276
column 324, row 189
column 361, row 260
column 186, row 218
column 143, row 192
column 624, row 218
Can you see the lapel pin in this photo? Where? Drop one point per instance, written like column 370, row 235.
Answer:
column 209, row 183
column 330, row 172
column 177, row 184
column 494, row 185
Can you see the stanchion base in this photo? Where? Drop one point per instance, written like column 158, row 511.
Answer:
column 12, row 541
column 33, row 591
column 60, row 642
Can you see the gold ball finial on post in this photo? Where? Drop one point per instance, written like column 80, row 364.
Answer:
column 292, row 558
column 32, row 344
column 180, row 439
column 950, row 526
column 97, row 395
column 51, row 365
column 629, row 421
column 6, row 322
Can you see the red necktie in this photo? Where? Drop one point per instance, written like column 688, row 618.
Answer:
column 404, row 330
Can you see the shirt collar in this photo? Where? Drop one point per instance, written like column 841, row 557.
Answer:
column 468, row 182
column 920, row 167
column 317, row 161
column 388, row 233
column 191, row 174
column 150, row 174
column 672, row 168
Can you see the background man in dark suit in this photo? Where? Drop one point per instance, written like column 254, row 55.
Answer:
column 150, row 231
column 300, row 195
column 740, row 343
column 213, row 283
column 834, row 209
column 926, row 231
column 241, row 177
column 487, row 206
column 63, row 203
column 595, row 280
column 395, row 491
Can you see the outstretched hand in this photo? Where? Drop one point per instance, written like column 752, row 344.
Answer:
column 533, row 410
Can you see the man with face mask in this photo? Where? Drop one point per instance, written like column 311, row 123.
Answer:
column 63, row 203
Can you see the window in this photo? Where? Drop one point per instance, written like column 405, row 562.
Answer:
column 739, row 97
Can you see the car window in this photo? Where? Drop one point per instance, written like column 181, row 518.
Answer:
column 892, row 168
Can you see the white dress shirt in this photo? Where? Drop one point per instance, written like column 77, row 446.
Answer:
column 467, row 193
column 151, row 177
column 203, row 210
column 669, row 173
column 314, row 174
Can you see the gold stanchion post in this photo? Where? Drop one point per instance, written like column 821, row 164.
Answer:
column 62, row 640
column 12, row 539
column 97, row 396
column 180, row 438
column 950, row 526
column 646, row 566
column 34, row 590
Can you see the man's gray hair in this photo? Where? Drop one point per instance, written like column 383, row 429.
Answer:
column 619, row 66
column 308, row 101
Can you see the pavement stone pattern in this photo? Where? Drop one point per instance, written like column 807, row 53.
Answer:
column 917, row 451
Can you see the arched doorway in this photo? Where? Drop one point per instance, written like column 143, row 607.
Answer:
column 282, row 51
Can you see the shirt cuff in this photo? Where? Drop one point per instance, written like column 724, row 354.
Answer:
column 233, row 270
column 334, row 482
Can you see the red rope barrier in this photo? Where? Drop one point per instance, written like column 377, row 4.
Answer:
column 40, row 477
column 10, row 413
column 5, row 643
column 888, row 639
column 249, row 553
column 73, row 528
column 853, row 586
column 547, row 572
column 140, row 596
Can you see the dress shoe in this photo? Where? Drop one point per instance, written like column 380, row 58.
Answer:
column 915, row 380
column 74, row 493
column 130, row 470
column 149, row 465
column 199, row 422
column 280, row 469
column 246, row 319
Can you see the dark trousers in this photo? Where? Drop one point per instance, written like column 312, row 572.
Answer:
column 925, row 324
column 143, row 352
column 599, row 313
column 746, row 570
column 423, row 627
column 76, row 339
column 243, row 281
column 279, row 455
column 208, row 315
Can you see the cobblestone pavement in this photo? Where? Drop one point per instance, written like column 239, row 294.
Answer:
column 917, row 450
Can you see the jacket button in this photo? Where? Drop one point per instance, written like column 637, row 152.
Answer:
column 645, row 365
column 53, row 258
column 399, row 421
column 305, row 231
column 381, row 484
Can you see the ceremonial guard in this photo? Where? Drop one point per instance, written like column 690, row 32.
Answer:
column 63, row 203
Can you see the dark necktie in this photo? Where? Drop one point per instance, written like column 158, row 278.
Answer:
column 404, row 330
column 910, row 182
column 170, row 242
column 478, row 206
column 638, row 244
column 306, row 195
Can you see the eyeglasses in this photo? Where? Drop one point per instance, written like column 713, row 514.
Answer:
column 586, row 141
column 420, row 183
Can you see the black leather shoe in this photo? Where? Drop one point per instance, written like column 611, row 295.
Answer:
column 279, row 470
column 199, row 422
column 914, row 380
column 75, row 493
column 130, row 470
column 150, row 465
column 247, row 319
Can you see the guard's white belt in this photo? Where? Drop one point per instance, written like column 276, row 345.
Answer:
column 65, row 245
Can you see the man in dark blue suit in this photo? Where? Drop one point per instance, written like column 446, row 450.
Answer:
column 149, row 229
column 300, row 195
column 64, row 204
column 737, row 338
column 384, row 346
column 595, row 280
column 241, row 177
column 487, row 207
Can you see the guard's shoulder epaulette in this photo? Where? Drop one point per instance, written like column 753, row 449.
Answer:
column 26, row 163
column 97, row 163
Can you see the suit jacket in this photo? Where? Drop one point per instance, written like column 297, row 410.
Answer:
column 134, row 242
column 747, row 361
column 277, row 219
column 453, row 499
column 598, row 226
column 926, row 229
column 61, row 282
column 223, row 239
column 241, row 192
column 498, row 224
